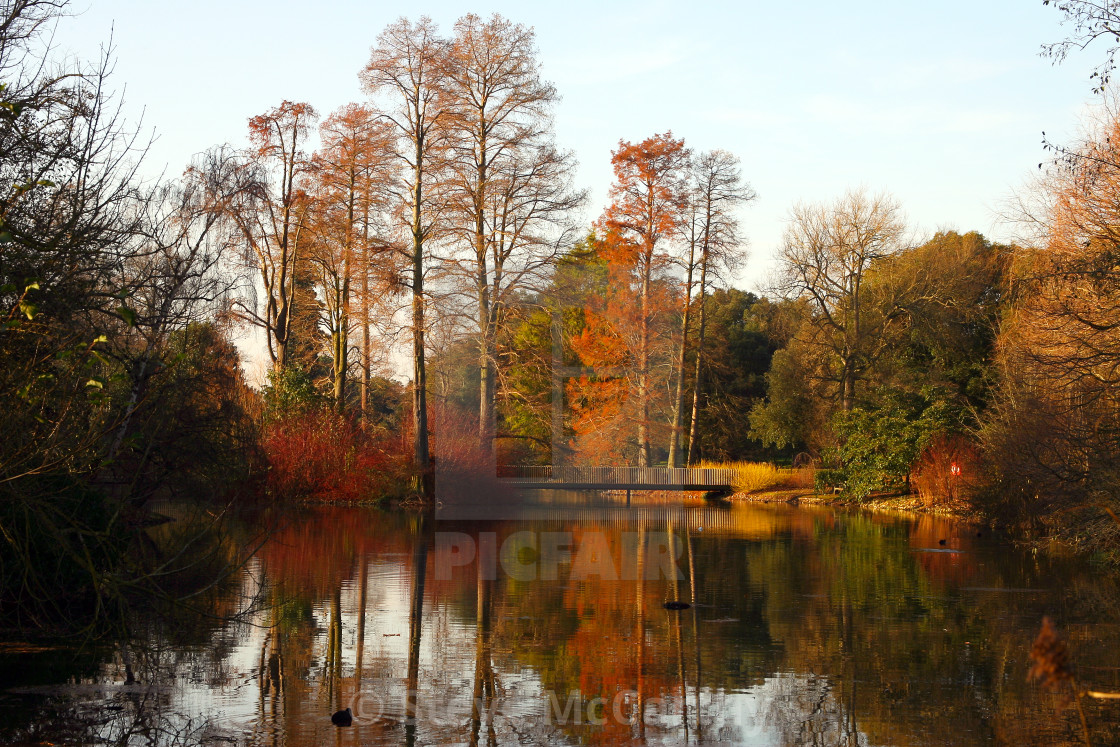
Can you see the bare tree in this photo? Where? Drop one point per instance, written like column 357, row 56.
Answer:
column 718, row 190
column 350, row 170
column 406, row 69
column 510, row 187
column 825, row 257
column 262, row 192
column 174, row 277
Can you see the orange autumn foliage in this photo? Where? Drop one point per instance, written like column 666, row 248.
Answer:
column 598, row 403
column 628, row 330
column 648, row 199
column 1054, row 435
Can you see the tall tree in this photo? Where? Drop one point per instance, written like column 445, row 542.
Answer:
column 351, row 168
column 510, row 187
column 648, row 199
column 717, row 191
column 407, row 69
column 175, row 280
column 953, row 292
column 262, row 192
column 825, row 257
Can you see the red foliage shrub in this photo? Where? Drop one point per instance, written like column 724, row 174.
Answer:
column 324, row 456
column 454, row 441
column 947, row 470
column 464, row 472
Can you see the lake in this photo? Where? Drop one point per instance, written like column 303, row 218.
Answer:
column 547, row 624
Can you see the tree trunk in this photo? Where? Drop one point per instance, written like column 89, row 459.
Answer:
column 847, row 386
column 694, row 424
column 643, row 374
column 341, row 352
column 342, row 343
column 486, row 410
column 286, row 308
column 280, row 329
column 487, row 414
column 139, row 380
column 678, row 398
column 365, row 320
column 420, row 456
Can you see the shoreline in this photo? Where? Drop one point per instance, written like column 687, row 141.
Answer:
column 910, row 502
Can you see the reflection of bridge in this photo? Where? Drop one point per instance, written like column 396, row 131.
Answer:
column 618, row 478
column 566, row 511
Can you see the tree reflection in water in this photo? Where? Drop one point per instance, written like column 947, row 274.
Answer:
column 806, row 627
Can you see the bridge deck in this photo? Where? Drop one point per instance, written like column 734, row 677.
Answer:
column 618, row 478
column 683, row 487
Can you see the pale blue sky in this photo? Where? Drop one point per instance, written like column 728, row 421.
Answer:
column 941, row 103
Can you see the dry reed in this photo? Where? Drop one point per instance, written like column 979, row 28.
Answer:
column 756, row 477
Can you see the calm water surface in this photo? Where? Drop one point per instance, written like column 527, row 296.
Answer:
column 548, row 626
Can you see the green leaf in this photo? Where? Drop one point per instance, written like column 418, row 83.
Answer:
column 95, row 383
column 128, row 315
column 29, row 309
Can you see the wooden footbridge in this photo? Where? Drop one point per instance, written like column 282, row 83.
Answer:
column 617, row 478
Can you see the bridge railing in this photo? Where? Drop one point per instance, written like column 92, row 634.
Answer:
column 619, row 475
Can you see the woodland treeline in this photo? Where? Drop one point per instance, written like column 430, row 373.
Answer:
column 438, row 216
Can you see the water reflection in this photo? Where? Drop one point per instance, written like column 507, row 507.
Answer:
column 805, row 627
